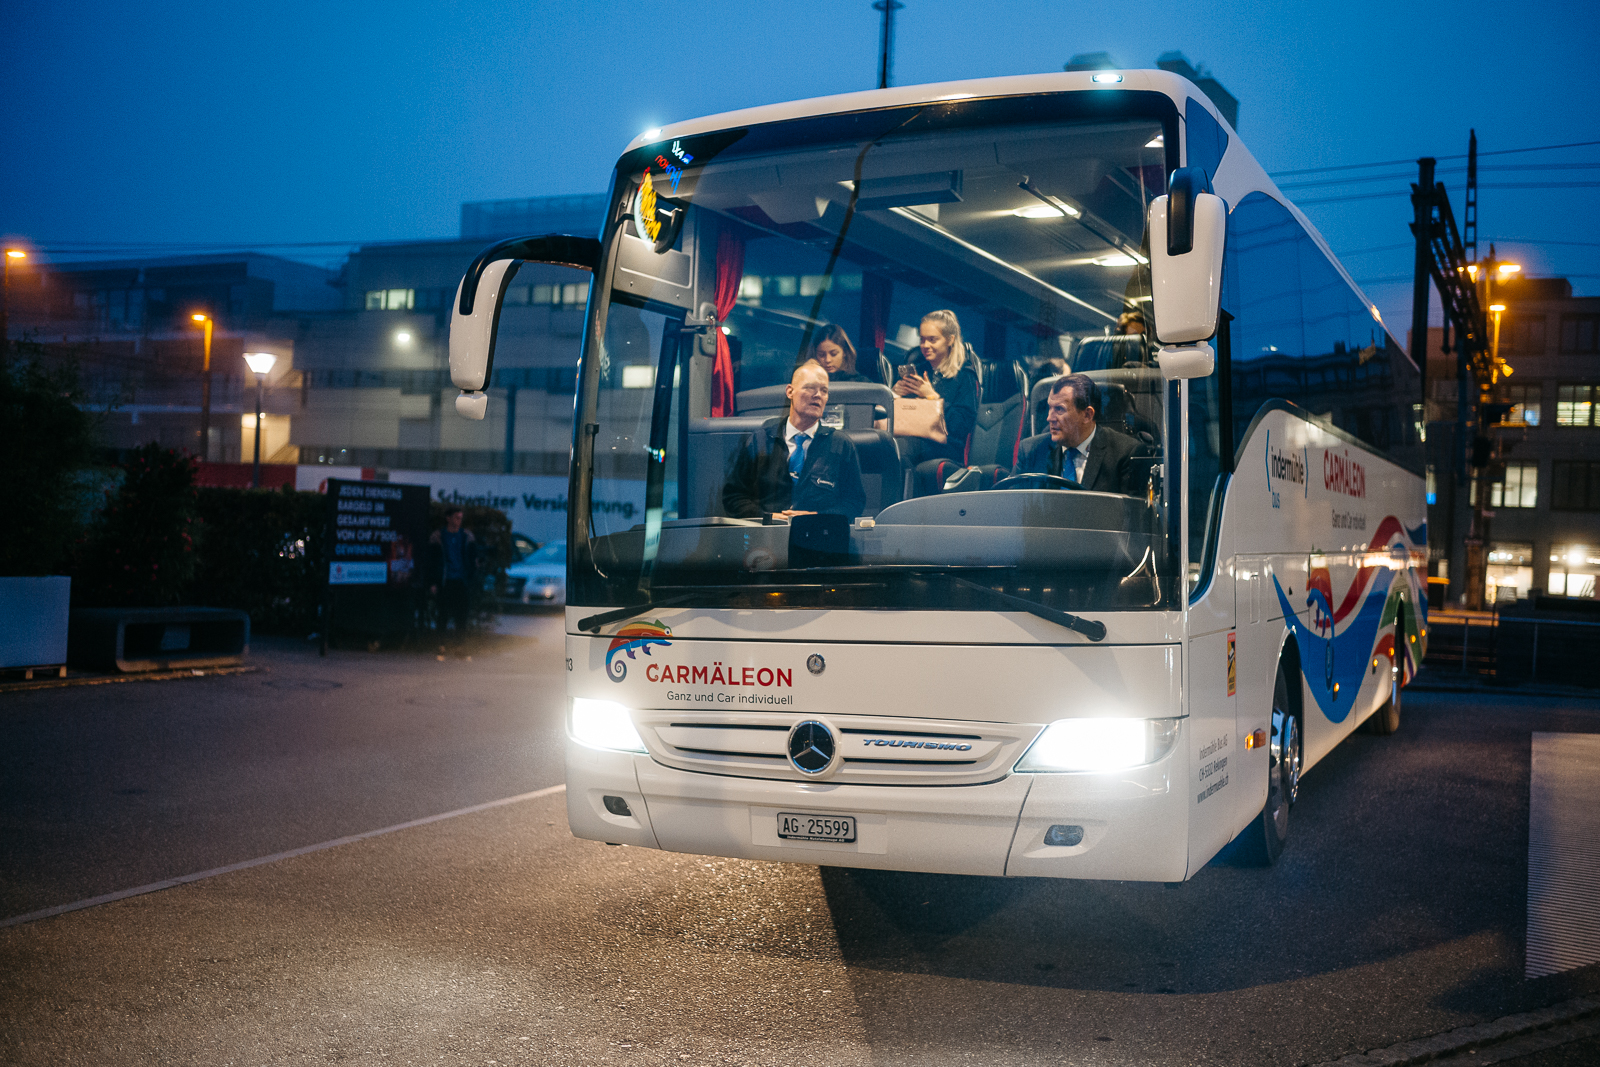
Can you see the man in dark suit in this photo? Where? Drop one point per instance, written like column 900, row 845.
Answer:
column 795, row 465
column 1094, row 456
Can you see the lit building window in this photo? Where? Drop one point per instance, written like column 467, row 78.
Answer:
column 1575, row 405
column 1573, row 569
column 570, row 295
column 1525, row 403
column 391, row 299
column 1517, row 488
column 1509, row 574
column 638, row 377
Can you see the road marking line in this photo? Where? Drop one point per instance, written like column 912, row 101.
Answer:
column 1563, row 853
column 185, row 879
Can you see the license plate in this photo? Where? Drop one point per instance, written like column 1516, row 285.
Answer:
column 798, row 826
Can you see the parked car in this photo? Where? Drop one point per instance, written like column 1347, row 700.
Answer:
column 540, row 577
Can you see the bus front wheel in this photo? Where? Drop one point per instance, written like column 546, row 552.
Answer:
column 1269, row 831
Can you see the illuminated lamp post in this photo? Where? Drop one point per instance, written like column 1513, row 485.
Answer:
column 205, row 387
column 13, row 255
column 1477, row 576
column 261, row 363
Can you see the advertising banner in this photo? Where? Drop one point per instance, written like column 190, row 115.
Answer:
column 377, row 531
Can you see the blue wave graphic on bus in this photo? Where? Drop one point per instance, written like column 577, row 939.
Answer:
column 1342, row 656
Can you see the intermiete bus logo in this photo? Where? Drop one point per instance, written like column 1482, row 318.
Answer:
column 632, row 638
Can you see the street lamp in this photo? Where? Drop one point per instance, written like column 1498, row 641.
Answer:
column 12, row 255
column 1483, row 275
column 204, row 321
column 261, row 363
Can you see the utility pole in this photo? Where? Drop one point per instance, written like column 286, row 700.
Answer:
column 1469, row 217
column 886, row 40
column 1420, row 277
column 1443, row 255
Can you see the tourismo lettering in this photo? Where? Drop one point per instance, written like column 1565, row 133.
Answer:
column 717, row 674
column 1341, row 474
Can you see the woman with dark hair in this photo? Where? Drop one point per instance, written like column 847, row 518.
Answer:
column 834, row 353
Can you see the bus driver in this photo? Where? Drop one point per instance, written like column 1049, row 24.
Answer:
column 1076, row 447
column 795, row 465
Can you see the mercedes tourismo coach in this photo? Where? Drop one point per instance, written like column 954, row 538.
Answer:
column 981, row 675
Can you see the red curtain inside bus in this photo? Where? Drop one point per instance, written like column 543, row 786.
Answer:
column 876, row 291
column 730, row 272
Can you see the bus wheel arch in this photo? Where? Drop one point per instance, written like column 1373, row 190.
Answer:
column 1386, row 720
column 1267, row 834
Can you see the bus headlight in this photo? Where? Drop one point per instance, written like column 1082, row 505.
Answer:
column 1099, row 744
column 603, row 724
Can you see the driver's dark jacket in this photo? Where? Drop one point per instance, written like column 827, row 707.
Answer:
column 1107, row 470
column 758, row 482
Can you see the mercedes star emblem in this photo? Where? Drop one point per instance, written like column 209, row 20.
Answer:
column 813, row 749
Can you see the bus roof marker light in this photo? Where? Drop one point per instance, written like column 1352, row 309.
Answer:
column 651, row 135
column 1106, row 78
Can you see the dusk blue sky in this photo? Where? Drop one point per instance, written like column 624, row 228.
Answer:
column 185, row 124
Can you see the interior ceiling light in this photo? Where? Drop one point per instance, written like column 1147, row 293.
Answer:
column 1158, row 142
column 1039, row 211
column 1117, row 260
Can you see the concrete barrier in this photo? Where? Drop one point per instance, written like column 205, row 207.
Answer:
column 153, row 639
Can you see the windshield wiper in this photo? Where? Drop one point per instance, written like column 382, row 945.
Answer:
column 594, row 622
column 1094, row 631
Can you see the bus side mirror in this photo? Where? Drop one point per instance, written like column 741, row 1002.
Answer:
column 1188, row 228
column 475, row 315
column 472, row 337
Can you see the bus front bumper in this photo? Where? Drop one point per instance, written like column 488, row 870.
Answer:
column 1133, row 823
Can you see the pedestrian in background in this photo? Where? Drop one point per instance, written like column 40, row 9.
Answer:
column 453, row 570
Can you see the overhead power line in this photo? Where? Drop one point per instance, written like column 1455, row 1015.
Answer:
column 1533, row 241
column 1401, row 162
column 1406, row 176
column 1396, row 193
column 1379, row 248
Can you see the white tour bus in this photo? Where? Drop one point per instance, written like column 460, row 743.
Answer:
column 948, row 669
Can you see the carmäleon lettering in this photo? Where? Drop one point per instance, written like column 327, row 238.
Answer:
column 729, row 676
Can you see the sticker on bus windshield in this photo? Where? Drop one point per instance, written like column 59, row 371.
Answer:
column 657, row 218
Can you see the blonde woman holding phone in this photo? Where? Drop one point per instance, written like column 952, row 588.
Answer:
column 940, row 372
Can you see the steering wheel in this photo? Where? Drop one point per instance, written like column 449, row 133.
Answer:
column 1037, row 481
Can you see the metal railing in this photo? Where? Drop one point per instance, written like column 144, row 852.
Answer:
column 1573, row 642
column 1516, row 648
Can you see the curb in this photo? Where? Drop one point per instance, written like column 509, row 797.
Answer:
column 108, row 679
column 1465, row 1038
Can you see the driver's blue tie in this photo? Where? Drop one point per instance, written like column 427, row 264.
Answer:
column 797, row 454
column 1071, row 466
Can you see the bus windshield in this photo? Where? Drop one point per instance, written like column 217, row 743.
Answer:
column 777, row 280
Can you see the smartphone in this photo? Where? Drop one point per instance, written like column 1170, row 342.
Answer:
column 907, row 369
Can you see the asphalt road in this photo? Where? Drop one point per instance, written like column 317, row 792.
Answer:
column 496, row 937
